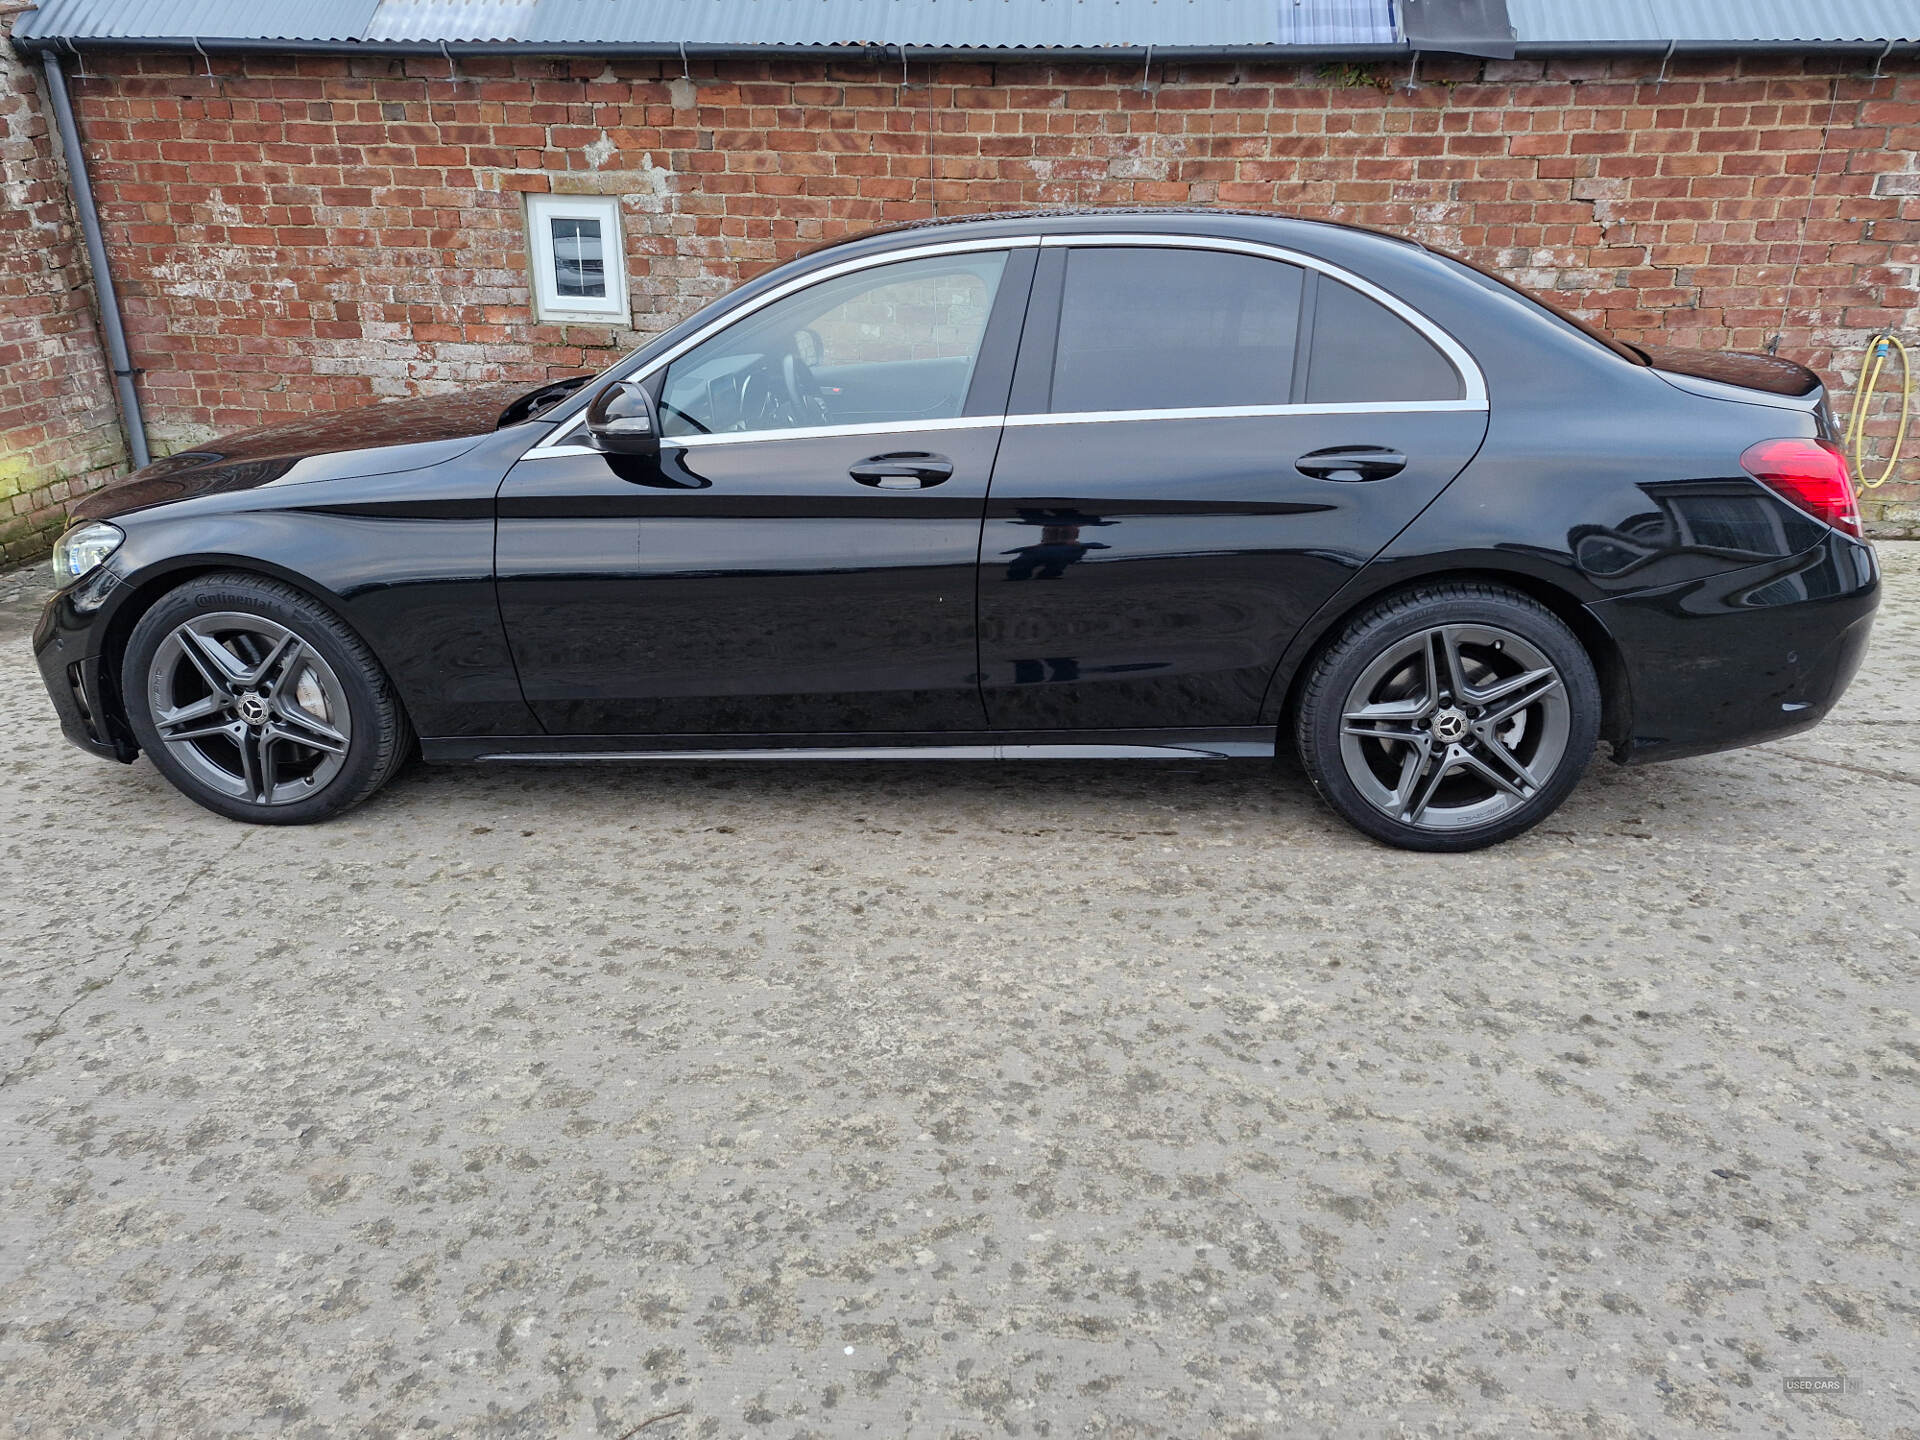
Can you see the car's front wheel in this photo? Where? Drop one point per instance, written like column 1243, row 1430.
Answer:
column 259, row 703
column 1449, row 717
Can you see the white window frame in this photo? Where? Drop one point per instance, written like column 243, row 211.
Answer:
column 548, row 302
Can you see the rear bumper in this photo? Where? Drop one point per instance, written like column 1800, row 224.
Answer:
column 1743, row 656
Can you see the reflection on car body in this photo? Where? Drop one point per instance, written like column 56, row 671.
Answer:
column 1285, row 482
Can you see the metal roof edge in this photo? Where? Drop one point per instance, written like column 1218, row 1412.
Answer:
column 214, row 45
column 31, row 43
column 1549, row 49
column 27, row 41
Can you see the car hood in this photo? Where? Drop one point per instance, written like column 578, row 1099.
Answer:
column 372, row 440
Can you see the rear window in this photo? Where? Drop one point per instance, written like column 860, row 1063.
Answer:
column 1170, row 329
column 1363, row 351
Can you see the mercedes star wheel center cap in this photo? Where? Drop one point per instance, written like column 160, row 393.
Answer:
column 1450, row 725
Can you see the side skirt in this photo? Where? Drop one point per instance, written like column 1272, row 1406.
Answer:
column 1250, row 741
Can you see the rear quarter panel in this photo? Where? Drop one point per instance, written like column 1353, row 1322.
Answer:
column 1598, row 479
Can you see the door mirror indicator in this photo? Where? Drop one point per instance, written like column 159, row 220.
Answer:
column 623, row 420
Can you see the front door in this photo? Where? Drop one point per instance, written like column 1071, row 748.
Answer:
column 1193, row 463
column 801, row 559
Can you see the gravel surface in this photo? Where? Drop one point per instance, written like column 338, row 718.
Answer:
column 1041, row 1100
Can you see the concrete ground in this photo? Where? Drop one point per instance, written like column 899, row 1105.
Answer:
column 1049, row 1100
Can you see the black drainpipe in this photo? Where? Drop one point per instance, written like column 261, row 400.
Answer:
column 117, row 355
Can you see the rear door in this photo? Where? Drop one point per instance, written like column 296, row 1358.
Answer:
column 1205, row 440
column 800, row 559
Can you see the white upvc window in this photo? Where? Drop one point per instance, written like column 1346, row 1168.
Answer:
column 579, row 258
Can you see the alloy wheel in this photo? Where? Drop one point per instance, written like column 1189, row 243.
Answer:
column 1455, row 726
column 249, row 707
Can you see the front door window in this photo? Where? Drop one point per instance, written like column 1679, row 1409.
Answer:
column 889, row 345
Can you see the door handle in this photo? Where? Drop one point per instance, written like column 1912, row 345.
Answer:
column 1350, row 463
column 905, row 470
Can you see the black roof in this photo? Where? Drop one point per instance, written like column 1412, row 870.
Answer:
column 1055, row 213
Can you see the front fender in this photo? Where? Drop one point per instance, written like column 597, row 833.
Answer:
column 405, row 559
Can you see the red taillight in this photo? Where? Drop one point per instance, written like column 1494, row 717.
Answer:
column 1810, row 473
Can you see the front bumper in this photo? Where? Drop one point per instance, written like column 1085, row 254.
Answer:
column 1743, row 656
column 68, row 645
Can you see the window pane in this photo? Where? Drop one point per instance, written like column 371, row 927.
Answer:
column 579, row 267
column 1166, row 329
column 893, row 344
column 1363, row 351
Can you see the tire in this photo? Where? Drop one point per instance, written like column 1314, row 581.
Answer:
column 1479, row 755
column 273, row 711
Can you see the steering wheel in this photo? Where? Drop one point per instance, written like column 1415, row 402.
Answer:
column 760, row 401
column 780, row 395
column 804, row 394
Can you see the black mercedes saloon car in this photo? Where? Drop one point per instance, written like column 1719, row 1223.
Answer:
column 1053, row 485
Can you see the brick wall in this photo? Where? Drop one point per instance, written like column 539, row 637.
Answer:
column 59, row 432
column 304, row 233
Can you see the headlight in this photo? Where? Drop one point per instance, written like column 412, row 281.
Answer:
column 83, row 548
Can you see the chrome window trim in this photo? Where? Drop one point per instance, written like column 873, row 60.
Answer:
column 1241, row 412
column 825, row 432
column 869, row 427
column 1078, row 417
column 1472, row 380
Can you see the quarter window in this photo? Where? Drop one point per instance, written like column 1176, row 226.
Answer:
column 894, row 344
column 1151, row 328
column 1363, row 351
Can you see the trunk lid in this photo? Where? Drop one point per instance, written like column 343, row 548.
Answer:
column 1775, row 374
column 1775, row 379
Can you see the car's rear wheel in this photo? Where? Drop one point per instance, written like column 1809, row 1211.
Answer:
column 1449, row 717
column 259, row 703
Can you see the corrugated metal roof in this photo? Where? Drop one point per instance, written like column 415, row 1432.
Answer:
column 1337, row 22
column 1171, row 25
column 1613, row 22
column 452, row 20
column 921, row 24
column 184, row 19
column 938, row 24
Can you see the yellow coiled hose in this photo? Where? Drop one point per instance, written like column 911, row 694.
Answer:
column 1870, row 368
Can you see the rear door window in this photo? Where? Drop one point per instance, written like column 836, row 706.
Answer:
column 1159, row 328
column 1362, row 351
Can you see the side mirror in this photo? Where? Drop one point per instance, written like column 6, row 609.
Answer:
column 624, row 421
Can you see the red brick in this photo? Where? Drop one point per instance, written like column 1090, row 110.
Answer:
column 362, row 214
